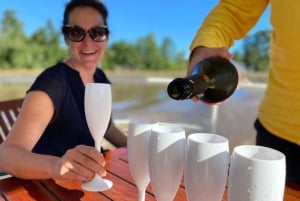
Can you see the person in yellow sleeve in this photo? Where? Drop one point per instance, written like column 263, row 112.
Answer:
column 278, row 121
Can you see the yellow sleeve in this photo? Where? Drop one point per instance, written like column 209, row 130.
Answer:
column 228, row 21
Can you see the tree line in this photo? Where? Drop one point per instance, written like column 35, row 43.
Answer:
column 45, row 47
column 254, row 53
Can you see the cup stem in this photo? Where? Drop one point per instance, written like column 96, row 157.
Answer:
column 98, row 145
column 142, row 194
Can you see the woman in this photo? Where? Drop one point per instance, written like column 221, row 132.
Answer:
column 50, row 138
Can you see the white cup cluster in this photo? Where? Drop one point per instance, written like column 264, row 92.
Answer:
column 162, row 154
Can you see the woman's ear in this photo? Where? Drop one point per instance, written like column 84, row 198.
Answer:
column 66, row 41
column 107, row 40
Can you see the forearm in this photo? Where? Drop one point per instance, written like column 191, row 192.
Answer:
column 116, row 136
column 24, row 164
column 228, row 21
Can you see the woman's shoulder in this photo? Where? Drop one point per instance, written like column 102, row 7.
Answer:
column 59, row 69
column 52, row 79
column 57, row 74
column 54, row 82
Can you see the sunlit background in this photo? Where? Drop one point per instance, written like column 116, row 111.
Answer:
column 139, row 91
column 129, row 20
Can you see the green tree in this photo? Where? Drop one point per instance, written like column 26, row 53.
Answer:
column 46, row 46
column 180, row 62
column 13, row 41
column 172, row 59
column 167, row 51
column 149, row 52
column 41, row 49
column 255, row 53
column 122, row 55
column 144, row 54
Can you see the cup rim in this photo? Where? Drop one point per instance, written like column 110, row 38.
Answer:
column 97, row 84
column 142, row 121
column 270, row 154
column 207, row 138
column 167, row 128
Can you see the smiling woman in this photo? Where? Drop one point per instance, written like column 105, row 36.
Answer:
column 51, row 138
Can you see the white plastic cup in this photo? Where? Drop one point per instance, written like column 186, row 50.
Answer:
column 206, row 166
column 256, row 173
column 137, row 144
column 166, row 160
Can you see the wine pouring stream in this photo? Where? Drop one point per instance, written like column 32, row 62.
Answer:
column 213, row 79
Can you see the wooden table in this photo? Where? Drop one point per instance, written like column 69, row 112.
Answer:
column 13, row 189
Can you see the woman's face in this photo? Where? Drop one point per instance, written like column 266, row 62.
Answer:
column 86, row 53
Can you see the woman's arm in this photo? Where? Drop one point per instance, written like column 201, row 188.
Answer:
column 115, row 135
column 16, row 157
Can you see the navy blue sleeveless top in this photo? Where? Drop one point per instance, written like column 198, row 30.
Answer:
column 68, row 128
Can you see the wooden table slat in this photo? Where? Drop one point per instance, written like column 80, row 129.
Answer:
column 123, row 190
column 119, row 167
column 71, row 191
column 293, row 189
column 18, row 189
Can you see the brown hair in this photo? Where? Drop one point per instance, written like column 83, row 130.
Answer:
column 96, row 4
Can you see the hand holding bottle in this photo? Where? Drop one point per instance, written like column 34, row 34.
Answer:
column 212, row 80
column 202, row 52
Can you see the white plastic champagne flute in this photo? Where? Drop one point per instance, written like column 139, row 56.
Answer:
column 256, row 173
column 97, row 105
column 206, row 166
column 166, row 160
column 137, row 145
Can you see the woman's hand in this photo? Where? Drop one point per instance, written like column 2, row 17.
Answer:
column 80, row 163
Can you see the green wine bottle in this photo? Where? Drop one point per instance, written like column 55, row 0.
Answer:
column 213, row 80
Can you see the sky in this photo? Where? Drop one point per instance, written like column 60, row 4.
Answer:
column 131, row 19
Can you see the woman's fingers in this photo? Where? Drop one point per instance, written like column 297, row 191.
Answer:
column 81, row 163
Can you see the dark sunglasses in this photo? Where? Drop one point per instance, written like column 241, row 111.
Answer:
column 77, row 34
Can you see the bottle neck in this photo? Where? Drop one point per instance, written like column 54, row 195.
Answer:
column 200, row 83
column 179, row 88
column 185, row 88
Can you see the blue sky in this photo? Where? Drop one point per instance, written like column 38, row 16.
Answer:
column 131, row 19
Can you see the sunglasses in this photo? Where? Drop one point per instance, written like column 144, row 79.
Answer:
column 77, row 34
